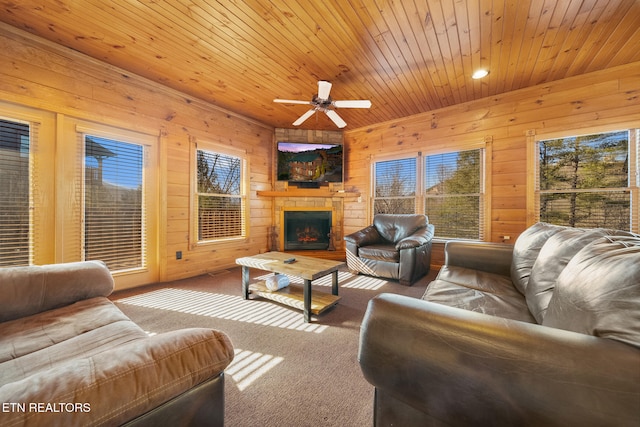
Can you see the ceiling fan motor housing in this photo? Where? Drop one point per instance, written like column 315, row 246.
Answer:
column 322, row 103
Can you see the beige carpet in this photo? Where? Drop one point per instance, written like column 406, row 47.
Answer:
column 285, row 372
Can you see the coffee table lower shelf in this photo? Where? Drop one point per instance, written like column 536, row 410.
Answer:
column 293, row 296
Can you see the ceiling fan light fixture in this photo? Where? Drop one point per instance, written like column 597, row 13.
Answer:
column 478, row 74
column 323, row 102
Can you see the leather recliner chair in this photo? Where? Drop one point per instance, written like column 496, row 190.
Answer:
column 396, row 246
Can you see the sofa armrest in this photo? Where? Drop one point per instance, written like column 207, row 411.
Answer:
column 483, row 256
column 366, row 236
column 466, row 368
column 421, row 237
column 25, row 291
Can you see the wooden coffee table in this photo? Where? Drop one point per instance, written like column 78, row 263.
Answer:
column 305, row 267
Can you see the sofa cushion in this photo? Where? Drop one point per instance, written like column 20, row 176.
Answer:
column 380, row 252
column 598, row 293
column 526, row 250
column 122, row 383
column 42, row 341
column 394, row 228
column 552, row 259
column 478, row 291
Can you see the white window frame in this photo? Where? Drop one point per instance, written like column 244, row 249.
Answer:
column 204, row 145
column 442, row 147
column 533, row 139
column 416, row 157
column 148, row 272
column 482, row 197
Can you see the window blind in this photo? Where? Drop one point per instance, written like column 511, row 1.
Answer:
column 584, row 181
column 114, row 217
column 17, row 140
column 220, row 199
column 395, row 186
column 453, row 194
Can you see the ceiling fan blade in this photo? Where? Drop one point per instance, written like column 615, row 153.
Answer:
column 363, row 103
column 304, row 117
column 291, row 101
column 335, row 118
column 324, row 88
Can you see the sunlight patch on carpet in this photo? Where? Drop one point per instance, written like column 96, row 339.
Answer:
column 223, row 306
column 248, row 366
column 365, row 282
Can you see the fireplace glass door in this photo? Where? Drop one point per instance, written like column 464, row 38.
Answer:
column 307, row 230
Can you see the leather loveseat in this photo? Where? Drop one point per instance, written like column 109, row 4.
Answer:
column 70, row 357
column 395, row 247
column 542, row 333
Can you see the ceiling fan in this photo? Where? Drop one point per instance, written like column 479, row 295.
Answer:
column 323, row 102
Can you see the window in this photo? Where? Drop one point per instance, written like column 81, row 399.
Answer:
column 220, row 196
column 588, row 180
column 395, row 186
column 114, row 229
column 453, row 194
column 450, row 190
column 15, row 194
column 73, row 190
column 111, row 196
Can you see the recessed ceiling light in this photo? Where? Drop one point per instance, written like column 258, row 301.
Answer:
column 480, row 74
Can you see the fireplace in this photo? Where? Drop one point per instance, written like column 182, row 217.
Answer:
column 307, row 230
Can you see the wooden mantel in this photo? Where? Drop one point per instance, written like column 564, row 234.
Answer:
column 307, row 193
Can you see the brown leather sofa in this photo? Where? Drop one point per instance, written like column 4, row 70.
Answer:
column 542, row 333
column 395, row 247
column 70, row 357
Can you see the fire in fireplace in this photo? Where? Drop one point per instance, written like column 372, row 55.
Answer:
column 307, row 230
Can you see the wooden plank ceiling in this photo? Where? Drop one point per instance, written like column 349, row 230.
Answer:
column 407, row 56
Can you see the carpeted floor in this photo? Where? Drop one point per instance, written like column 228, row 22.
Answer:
column 285, row 372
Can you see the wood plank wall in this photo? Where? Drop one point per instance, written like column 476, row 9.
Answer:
column 583, row 103
column 45, row 76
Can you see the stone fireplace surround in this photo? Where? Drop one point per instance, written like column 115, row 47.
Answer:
column 290, row 198
column 308, row 204
column 293, row 199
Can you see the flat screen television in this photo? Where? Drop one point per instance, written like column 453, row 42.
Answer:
column 300, row 162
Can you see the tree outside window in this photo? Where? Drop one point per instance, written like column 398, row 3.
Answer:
column 220, row 199
column 453, row 194
column 395, row 187
column 452, row 186
column 584, row 181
